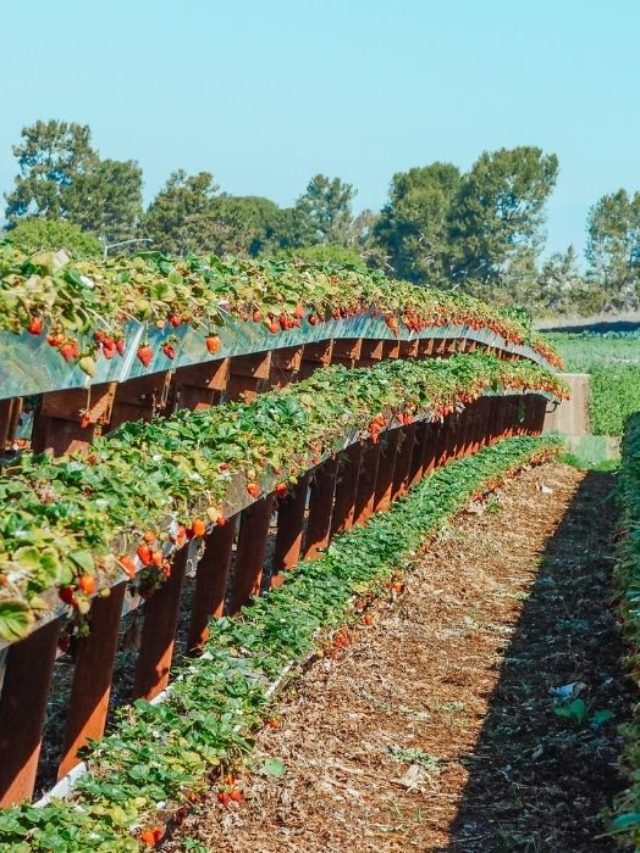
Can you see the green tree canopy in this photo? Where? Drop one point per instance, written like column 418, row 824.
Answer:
column 414, row 226
column 62, row 177
column 613, row 247
column 449, row 229
column 500, row 211
column 43, row 235
column 323, row 214
column 107, row 200
column 179, row 219
column 51, row 156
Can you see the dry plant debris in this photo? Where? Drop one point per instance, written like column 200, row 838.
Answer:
column 437, row 728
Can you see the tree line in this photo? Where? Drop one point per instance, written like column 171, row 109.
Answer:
column 481, row 231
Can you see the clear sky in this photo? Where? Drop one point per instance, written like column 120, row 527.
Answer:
column 266, row 93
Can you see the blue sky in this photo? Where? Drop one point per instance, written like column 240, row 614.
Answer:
column 266, row 94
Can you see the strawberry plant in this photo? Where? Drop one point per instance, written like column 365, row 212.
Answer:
column 64, row 519
column 625, row 821
column 89, row 305
column 159, row 758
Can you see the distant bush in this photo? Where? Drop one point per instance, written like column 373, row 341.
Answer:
column 44, row 235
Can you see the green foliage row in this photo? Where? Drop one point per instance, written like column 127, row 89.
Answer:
column 89, row 296
column 585, row 352
column 614, row 396
column 158, row 757
column 62, row 517
column 626, row 813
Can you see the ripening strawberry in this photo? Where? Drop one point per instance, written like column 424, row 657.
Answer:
column 213, row 344
column 69, row 351
column 198, row 527
column 157, row 559
column 35, row 326
column 144, row 553
column 313, row 320
column 253, row 489
column 128, row 566
column 257, row 315
column 281, row 490
column 87, row 583
column 145, row 354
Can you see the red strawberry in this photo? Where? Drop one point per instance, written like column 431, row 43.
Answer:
column 312, row 319
column 175, row 320
column 128, row 565
column 281, row 490
column 213, row 343
column 253, row 489
column 109, row 348
column 99, row 335
column 69, row 351
column 35, row 326
column 169, row 351
column 120, row 346
column 87, row 584
column 66, row 594
column 145, row 354
column 236, row 795
column 223, row 798
column 144, row 554
column 85, row 420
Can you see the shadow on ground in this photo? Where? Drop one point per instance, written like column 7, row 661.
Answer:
column 538, row 781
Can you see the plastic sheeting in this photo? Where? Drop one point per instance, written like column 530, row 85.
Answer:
column 29, row 365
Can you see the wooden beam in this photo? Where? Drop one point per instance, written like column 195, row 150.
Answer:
column 250, row 554
column 23, row 707
column 92, row 674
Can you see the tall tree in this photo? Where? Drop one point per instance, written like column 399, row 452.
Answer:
column 107, row 200
column 248, row 225
column 413, row 228
column 180, row 218
column 323, row 213
column 51, row 156
column 613, row 247
column 500, row 212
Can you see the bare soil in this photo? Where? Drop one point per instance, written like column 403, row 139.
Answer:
column 436, row 730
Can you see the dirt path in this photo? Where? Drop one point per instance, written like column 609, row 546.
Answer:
column 435, row 730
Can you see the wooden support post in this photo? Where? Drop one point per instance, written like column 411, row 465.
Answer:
column 409, row 349
column 159, row 628
column 141, row 398
column 422, row 433
column 57, row 423
column 346, row 489
column 365, row 493
column 248, row 375
column 92, row 674
column 386, row 467
column 391, row 349
column 425, row 347
column 431, row 447
column 23, row 707
column 314, row 356
column 200, row 386
column 10, row 411
column 321, row 491
column 211, row 582
column 371, row 352
column 288, row 545
column 285, row 366
column 445, row 441
column 346, row 351
column 252, row 543
column 403, row 462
